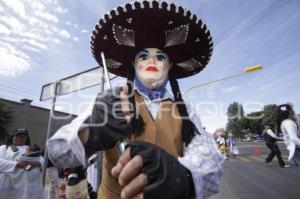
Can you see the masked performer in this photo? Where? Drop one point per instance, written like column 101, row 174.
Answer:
column 169, row 155
column 289, row 125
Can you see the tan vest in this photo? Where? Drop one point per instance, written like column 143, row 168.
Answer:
column 164, row 131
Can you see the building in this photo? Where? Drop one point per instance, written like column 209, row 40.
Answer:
column 35, row 120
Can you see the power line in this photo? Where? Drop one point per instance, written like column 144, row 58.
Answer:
column 18, row 86
column 18, row 89
column 19, row 93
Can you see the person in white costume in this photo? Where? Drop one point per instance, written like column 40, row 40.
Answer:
column 288, row 123
column 20, row 169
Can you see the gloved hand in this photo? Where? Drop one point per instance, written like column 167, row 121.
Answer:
column 107, row 122
column 167, row 178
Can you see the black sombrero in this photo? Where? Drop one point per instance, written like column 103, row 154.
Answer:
column 128, row 29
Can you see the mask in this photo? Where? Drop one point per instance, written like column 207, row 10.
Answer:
column 151, row 67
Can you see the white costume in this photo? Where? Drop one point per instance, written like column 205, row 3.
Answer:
column 291, row 136
column 17, row 183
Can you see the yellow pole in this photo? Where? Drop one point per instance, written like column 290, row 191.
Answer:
column 246, row 71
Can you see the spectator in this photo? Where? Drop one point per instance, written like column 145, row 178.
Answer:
column 231, row 142
column 222, row 145
column 20, row 168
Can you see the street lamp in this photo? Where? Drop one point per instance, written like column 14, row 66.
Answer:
column 246, row 71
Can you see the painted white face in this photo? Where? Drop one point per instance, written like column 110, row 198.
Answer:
column 151, row 67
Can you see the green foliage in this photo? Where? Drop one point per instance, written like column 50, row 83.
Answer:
column 233, row 127
column 255, row 121
column 243, row 123
column 235, row 111
column 236, row 121
column 6, row 119
column 270, row 112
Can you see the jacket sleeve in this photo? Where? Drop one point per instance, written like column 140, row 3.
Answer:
column 65, row 149
column 204, row 161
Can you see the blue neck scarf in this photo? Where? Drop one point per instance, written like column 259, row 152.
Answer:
column 152, row 94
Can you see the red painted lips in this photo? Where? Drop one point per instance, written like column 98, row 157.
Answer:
column 152, row 69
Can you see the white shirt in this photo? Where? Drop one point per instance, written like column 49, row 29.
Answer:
column 201, row 156
column 16, row 182
column 8, row 158
column 272, row 134
column 291, row 139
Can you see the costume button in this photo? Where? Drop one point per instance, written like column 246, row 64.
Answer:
column 151, row 130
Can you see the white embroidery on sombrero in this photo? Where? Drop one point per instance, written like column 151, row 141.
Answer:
column 133, row 7
column 190, row 64
column 197, row 40
column 113, row 64
column 177, row 35
column 129, row 20
column 123, row 36
column 159, row 4
column 98, row 26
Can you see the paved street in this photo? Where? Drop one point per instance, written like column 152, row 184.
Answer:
column 247, row 177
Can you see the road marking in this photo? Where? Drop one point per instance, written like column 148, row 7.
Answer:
column 244, row 159
column 232, row 159
column 257, row 158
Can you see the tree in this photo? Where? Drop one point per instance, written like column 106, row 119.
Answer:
column 235, row 111
column 235, row 114
column 6, row 120
column 270, row 112
column 255, row 121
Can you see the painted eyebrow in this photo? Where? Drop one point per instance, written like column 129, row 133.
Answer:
column 162, row 53
column 143, row 52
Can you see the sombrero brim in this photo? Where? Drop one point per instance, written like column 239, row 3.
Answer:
column 125, row 31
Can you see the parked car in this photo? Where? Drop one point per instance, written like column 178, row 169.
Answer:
column 257, row 137
column 246, row 139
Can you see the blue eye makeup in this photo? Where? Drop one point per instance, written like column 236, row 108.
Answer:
column 143, row 55
column 161, row 56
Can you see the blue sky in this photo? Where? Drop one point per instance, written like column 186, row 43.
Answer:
column 43, row 41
